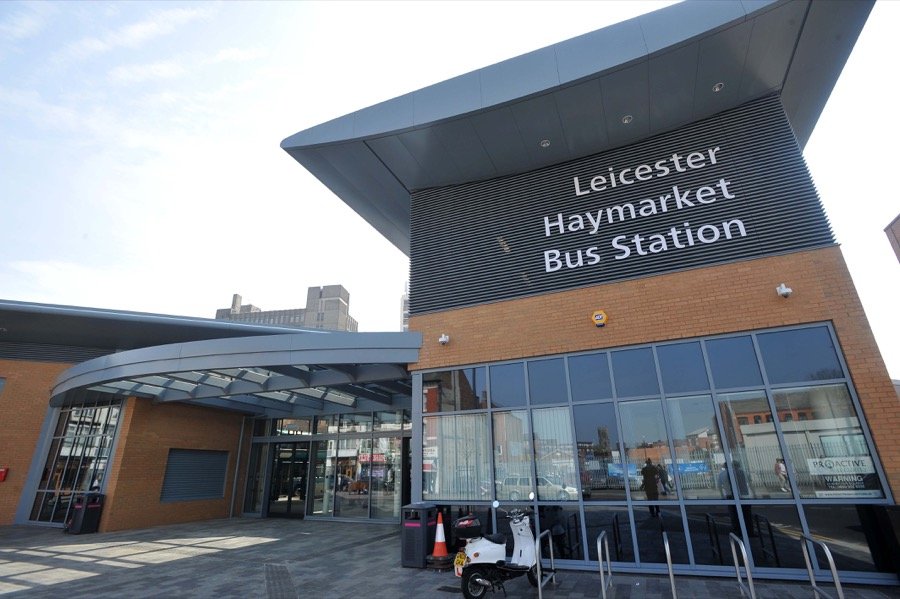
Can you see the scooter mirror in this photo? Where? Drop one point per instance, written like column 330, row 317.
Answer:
column 531, row 496
column 495, row 504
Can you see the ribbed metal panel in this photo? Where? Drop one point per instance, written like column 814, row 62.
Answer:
column 194, row 474
column 485, row 241
column 41, row 352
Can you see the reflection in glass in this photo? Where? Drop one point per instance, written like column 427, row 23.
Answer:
column 644, row 434
column 755, row 453
column 710, row 526
column 564, row 524
column 507, row 385
column 599, row 459
column 682, row 368
column 293, row 426
column 386, row 477
column 512, row 455
column 649, row 536
column 733, row 362
column 855, row 535
column 553, row 454
column 354, row 466
column 589, row 377
column 456, row 458
column 615, row 521
column 634, row 371
column 799, row 355
column 356, row 423
column 698, row 449
column 547, row 381
column 392, row 421
column 454, row 390
column 826, row 443
column 775, row 536
column 78, row 458
column 324, row 453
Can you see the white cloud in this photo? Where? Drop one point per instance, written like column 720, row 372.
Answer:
column 26, row 23
column 134, row 35
column 238, row 55
column 138, row 73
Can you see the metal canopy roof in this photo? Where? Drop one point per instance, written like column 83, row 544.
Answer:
column 273, row 376
column 662, row 69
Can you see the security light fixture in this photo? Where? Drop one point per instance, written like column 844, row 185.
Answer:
column 627, row 119
column 545, row 143
column 444, row 339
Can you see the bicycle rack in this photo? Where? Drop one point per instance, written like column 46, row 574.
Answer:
column 665, row 537
column 540, row 573
column 735, row 540
column 804, row 540
column 605, row 576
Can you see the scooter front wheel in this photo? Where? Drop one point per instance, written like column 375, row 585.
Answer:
column 472, row 586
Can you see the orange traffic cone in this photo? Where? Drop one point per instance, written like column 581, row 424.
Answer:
column 440, row 543
column 439, row 558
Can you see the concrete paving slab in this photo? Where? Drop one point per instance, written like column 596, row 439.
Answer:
column 288, row 559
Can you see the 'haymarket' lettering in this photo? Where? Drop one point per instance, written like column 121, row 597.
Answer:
column 679, row 199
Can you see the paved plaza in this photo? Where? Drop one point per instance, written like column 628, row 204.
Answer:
column 281, row 559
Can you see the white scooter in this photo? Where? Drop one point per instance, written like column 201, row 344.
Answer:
column 482, row 563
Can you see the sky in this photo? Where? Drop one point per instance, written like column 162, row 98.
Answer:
column 140, row 166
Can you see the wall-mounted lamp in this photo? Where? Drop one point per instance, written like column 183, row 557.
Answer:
column 784, row 291
column 444, row 339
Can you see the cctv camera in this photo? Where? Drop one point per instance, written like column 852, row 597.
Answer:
column 444, row 339
column 783, row 290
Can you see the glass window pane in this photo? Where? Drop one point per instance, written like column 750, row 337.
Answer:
column 682, row 368
column 507, row 385
column 599, row 459
column 589, row 377
column 733, row 362
column 564, row 524
column 456, row 458
column 863, row 534
column 547, row 381
column 327, row 424
column 650, row 543
column 453, row 390
column 554, row 455
column 775, row 536
column 755, row 451
column 394, row 420
column 634, row 372
column 827, row 448
column 799, row 355
column 615, row 522
column 356, row 423
column 710, row 526
column 512, row 455
column 293, row 426
column 646, row 447
column 697, row 445
column 387, row 477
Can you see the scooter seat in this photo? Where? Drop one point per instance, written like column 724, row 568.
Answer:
column 498, row 538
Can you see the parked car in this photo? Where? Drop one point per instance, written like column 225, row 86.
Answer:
column 518, row 487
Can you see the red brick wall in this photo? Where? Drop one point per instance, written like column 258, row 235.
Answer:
column 147, row 432
column 24, row 403
column 721, row 299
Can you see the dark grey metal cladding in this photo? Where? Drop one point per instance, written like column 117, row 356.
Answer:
column 486, row 241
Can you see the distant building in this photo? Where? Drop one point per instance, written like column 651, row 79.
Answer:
column 327, row 307
column 404, row 309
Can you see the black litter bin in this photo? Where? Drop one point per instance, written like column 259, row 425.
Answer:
column 417, row 534
column 85, row 516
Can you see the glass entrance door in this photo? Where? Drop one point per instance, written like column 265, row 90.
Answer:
column 290, row 475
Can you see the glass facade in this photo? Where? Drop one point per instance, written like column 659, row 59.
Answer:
column 78, row 458
column 756, row 434
column 335, row 465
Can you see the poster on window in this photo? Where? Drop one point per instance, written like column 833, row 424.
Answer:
column 845, row 476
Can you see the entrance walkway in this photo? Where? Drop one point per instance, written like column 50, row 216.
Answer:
column 280, row 559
